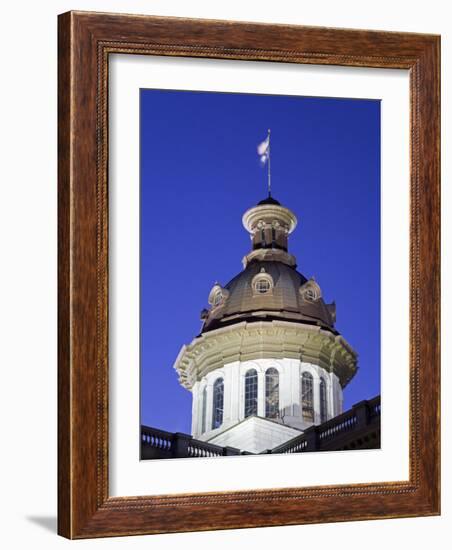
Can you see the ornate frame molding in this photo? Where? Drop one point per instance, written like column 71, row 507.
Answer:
column 85, row 42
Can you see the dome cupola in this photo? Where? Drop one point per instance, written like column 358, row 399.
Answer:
column 269, row 287
column 269, row 225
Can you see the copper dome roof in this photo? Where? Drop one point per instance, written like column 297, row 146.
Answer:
column 269, row 287
column 286, row 299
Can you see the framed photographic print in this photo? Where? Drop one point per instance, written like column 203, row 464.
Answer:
column 248, row 274
column 268, row 362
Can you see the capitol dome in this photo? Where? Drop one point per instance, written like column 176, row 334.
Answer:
column 268, row 362
column 269, row 287
column 267, row 290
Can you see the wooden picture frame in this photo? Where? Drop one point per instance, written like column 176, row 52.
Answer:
column 85, row 508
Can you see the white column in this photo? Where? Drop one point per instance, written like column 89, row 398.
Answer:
column 261, row 394
column 296, row 369
column 337, row 395
column 285, row 393
column 330, row 397
column 209, row 407
column 236, row 391
column 227, row 403
column 195, row 427
column 317, row 399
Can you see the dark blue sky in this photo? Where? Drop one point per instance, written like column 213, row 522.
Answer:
column 200, row 172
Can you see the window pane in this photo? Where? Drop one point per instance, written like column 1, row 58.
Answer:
column 262, row 286
column 250, row 393
column 204, row 409
column 218, row 397
column 307, row 397
column 323, row 406
column 272, row 393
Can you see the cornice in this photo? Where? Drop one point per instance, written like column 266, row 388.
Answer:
column 275, row 339
column 269, row 212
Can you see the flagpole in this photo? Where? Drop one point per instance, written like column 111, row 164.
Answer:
column 269, row 168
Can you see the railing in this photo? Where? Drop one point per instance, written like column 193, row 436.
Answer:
column 161, row 444
column 335, row 431
column 157, row 439
column 348, row 430
column 375, row 407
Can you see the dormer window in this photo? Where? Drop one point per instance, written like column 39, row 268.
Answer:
column 217, row 295
column 262, row 286
column 310, row 294
column 310, row 291
column 262, row 283
column 217, row 298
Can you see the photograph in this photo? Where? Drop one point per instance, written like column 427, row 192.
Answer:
column 260, row 302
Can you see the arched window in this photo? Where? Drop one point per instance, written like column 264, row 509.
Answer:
column 323, row 405
column 272, row 393
column 262, row 283
column 218, row 399
column 250, row 393
column 310, row 291
column 218, row 295
column 262, row 286
column 217, row 298
column 204, row 409
column 307, row 397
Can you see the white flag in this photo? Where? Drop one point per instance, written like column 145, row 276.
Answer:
column 263, row 150
column 263, row 147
